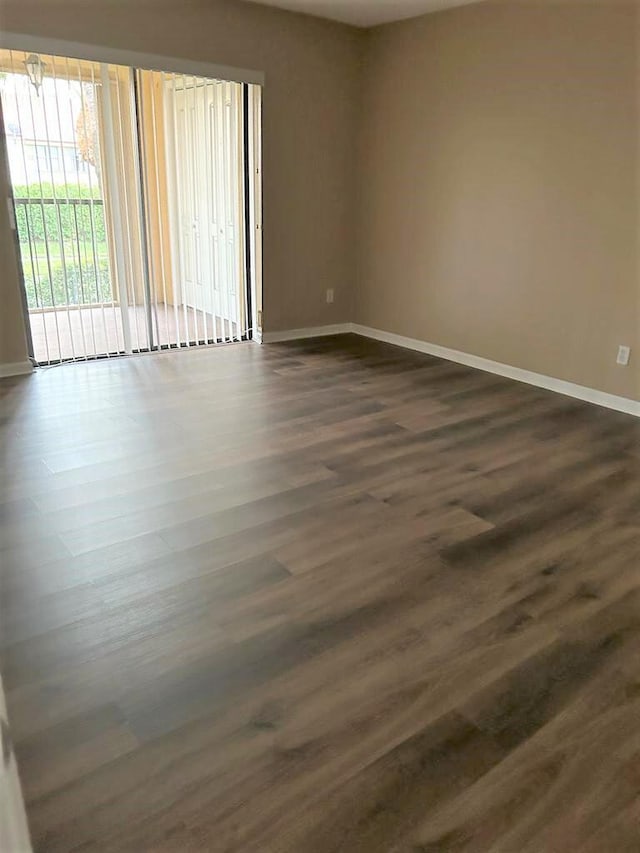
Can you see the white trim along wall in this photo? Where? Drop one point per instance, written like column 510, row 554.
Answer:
column 550, row 383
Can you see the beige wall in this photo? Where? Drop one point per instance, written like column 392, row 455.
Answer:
column 312, row 72
column 499, row 186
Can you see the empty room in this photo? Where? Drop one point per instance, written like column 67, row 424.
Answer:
column 319, row 426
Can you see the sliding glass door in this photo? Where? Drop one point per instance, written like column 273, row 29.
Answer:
column 194, row 169
column 133, row 205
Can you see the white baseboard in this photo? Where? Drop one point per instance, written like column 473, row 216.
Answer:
column 16, row 368
column 569, row 389
column 550, row 383
column 310, row 332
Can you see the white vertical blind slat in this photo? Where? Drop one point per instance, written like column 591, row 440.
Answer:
column 156, row 175
column 138, row 339
column 111, row 171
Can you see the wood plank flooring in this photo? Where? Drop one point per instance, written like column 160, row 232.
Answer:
column 316, row 597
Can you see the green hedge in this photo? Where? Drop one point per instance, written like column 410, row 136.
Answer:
column 84, row 285
column 60, row 191
column 62, row 220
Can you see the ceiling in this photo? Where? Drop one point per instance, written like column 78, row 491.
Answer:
column 365, row 13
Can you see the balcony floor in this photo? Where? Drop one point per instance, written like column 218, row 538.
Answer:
column 93, row 331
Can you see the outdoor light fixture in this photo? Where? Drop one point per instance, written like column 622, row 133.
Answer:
column 35, row 69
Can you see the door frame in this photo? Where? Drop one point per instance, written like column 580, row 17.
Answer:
column 132, row 58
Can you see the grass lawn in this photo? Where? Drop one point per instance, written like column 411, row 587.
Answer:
column 38, row 252
column 73, row 281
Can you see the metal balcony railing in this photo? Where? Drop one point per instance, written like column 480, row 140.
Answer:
column 64, row 252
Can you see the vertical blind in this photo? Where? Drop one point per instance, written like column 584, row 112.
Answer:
column 192, row 144
column 129, row 192
column 56, row 166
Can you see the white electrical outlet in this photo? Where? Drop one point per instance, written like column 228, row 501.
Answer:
column 330, row 296
column 624, row 354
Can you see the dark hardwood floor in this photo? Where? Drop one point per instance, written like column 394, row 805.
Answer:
column 320, row 596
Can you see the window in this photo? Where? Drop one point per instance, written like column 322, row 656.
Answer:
column 43, row 156
column 69, row 158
